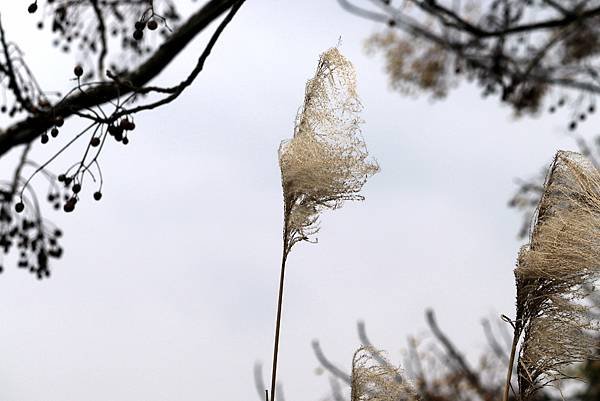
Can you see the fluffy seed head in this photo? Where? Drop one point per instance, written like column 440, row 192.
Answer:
column 555, row 273
column 378, row 381
column 326, row 162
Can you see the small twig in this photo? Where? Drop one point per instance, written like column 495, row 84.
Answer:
column 18, row 170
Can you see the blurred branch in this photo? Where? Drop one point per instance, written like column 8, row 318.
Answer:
column 259, row 382
column 336, row 389
column 497, row 349
column 456, row 357
column 17, row 175
column 102, row 31
column 330, row 367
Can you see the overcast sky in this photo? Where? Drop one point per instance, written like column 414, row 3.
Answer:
column 167, row 288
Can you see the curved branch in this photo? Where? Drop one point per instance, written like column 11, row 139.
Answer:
column 102, row 29
column 435, row 9
column 362, row 334
column 259, row 383
column 177, row 90
column 27, row 130
column 18, row 170
column 455, row 356
column 361, row 12
column 331, row 368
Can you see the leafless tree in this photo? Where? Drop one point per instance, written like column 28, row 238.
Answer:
column 114, row 64
column 522, row 51
column 538, row 56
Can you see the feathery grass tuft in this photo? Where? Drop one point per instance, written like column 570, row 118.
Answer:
column 554, row 273
column 375, row 379
column 324, row 164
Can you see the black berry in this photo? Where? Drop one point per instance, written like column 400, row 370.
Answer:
column 19, row 207
column 138, row 34
column 69, row 207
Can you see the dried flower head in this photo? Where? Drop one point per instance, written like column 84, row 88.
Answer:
column 554, row 274
column 375, row 379
column 326, row 162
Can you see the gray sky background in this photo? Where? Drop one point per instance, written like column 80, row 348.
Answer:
column 167, row 287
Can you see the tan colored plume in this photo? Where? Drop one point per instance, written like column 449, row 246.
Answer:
column 375, row 379
column 554, row 273
column 326, row 162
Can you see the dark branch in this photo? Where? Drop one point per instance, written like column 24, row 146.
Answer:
column 102, row 31
column 30, row 128
column 17, row 176
column 456, row 357
column 177, row 90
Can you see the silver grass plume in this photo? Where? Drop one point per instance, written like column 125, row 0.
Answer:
column 325, row 163
column 554, row 274
column 375, row 379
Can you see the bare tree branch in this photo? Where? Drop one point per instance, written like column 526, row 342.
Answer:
column 456, row 356
column 330, row 367
column 33, row 126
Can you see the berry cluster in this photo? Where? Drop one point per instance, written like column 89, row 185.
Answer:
column 58, row 122
column 20, row 90
column 73, row 185
column 119, row 131
column 36, row 239
column 579, row 115
column 72, row 180
column 77, row 26
column 21, row 224
column 138, row 33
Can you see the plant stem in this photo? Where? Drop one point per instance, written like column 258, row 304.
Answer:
column 278, row 321
column 511, row 361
